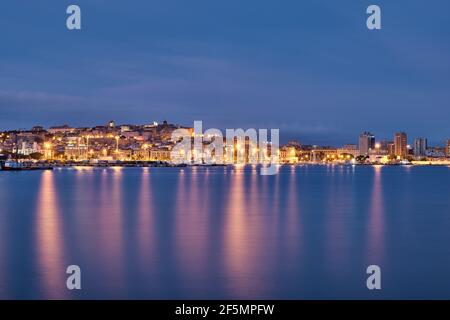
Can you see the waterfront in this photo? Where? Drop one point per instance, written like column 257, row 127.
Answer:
column 226, row 232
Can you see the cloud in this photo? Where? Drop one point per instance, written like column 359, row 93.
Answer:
column 30, row 99
column 21, row 109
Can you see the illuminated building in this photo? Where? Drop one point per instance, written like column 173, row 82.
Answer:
column 447, row 148
column 401, row 145
column 366, row 142
column 420, row 147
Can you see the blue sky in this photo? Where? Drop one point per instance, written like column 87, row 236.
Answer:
column 310, row 68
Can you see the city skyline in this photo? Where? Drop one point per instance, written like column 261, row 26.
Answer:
column 311, row 69
column 115, row 142
column 216, row 158
column 358, row 138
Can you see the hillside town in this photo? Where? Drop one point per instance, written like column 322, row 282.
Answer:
column 152, row 143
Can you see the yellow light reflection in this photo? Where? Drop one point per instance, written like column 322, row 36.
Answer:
column 111, row 226
column 376, row 221
column 243, row 245
column 145, row 222
column 50, row 242
column 292, row 223
column 191, row 223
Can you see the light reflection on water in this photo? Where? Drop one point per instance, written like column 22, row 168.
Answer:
column 145, row 226
column 191, row 226
column 49, row 239
column 241, row 244
column 111, row 229
column 4, row 240
column 308, row 232
column 376, row 224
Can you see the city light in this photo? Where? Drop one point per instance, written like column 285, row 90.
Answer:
column 140, row 143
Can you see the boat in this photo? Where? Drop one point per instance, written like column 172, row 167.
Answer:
column 405, row 163
column 17, row 166
column 13, row 164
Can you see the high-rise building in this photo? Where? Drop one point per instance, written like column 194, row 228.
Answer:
column 384, row 144
column 366, row 143
column 401, row 145
column 420, row 147
column 447, row 148
column 391, row 148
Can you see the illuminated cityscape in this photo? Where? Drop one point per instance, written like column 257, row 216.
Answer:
column 225, row 159
column 111, row 144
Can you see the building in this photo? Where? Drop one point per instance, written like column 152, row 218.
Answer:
column 131, row 135
column 294, row 143
column 37, row 129
column 125, row 128
column 350, row 146
column 391, row 149
column 366, row 142
column 288, row 154
column 435, row 152
column 378, row 150
column 160, row 154
column 401, row 145
column 348, row 149
column 61, row 129
column 75, row 148
column 28, row 148
column 384, row 144
column 420, row 147
column 447, row 148
column 153, row 125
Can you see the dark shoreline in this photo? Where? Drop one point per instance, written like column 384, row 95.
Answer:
column 150, row 164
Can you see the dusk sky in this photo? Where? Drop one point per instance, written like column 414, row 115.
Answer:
column 310, row 68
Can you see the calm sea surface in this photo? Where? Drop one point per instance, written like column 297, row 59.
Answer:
column 184, row 233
